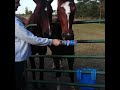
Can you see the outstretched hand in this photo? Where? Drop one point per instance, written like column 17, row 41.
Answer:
column 56, row 42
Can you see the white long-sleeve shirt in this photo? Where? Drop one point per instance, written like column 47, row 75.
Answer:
column 23, row 39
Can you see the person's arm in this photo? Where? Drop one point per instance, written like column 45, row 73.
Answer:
column 22, row 33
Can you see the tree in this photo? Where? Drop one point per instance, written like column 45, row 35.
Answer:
column 87, row 8
column 26, row 10
column 102, row 8
column 93, row 9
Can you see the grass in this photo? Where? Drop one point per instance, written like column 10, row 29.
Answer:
column 89, row 32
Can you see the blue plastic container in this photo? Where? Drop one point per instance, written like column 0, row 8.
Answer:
column 86, row 78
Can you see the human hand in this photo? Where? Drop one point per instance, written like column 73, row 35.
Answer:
column 56, row 42
column 68, row 42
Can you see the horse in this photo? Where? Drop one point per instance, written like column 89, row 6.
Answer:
column 41, row 17
column 62, row 29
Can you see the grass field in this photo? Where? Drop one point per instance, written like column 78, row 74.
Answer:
column 89, row 32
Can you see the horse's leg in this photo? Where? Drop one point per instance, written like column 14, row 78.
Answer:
column 61, row 65
column 42, row 51
column 57, row 67
column 70, row 64
column 41, row 66
column 70, row 51
column 33, row 66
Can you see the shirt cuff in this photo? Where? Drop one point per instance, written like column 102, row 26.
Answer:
column 50, row 41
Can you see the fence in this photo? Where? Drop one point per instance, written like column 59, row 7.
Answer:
column 71, row 56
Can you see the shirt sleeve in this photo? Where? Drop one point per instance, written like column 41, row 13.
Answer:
column 22, row 33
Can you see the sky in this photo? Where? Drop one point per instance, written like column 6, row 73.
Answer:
column 31, row 6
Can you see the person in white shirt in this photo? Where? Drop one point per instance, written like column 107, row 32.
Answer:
column 23, row 39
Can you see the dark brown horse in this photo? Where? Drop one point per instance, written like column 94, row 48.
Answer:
column 62, row 29
column 42, row 18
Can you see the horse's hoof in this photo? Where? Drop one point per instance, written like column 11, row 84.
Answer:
column 73, row 88
column 58, row 87
column 42, row 85
column 35, row 85
column 61, row 67
column 53, row 67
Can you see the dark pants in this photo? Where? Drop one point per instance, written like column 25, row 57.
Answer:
column 19, row 69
